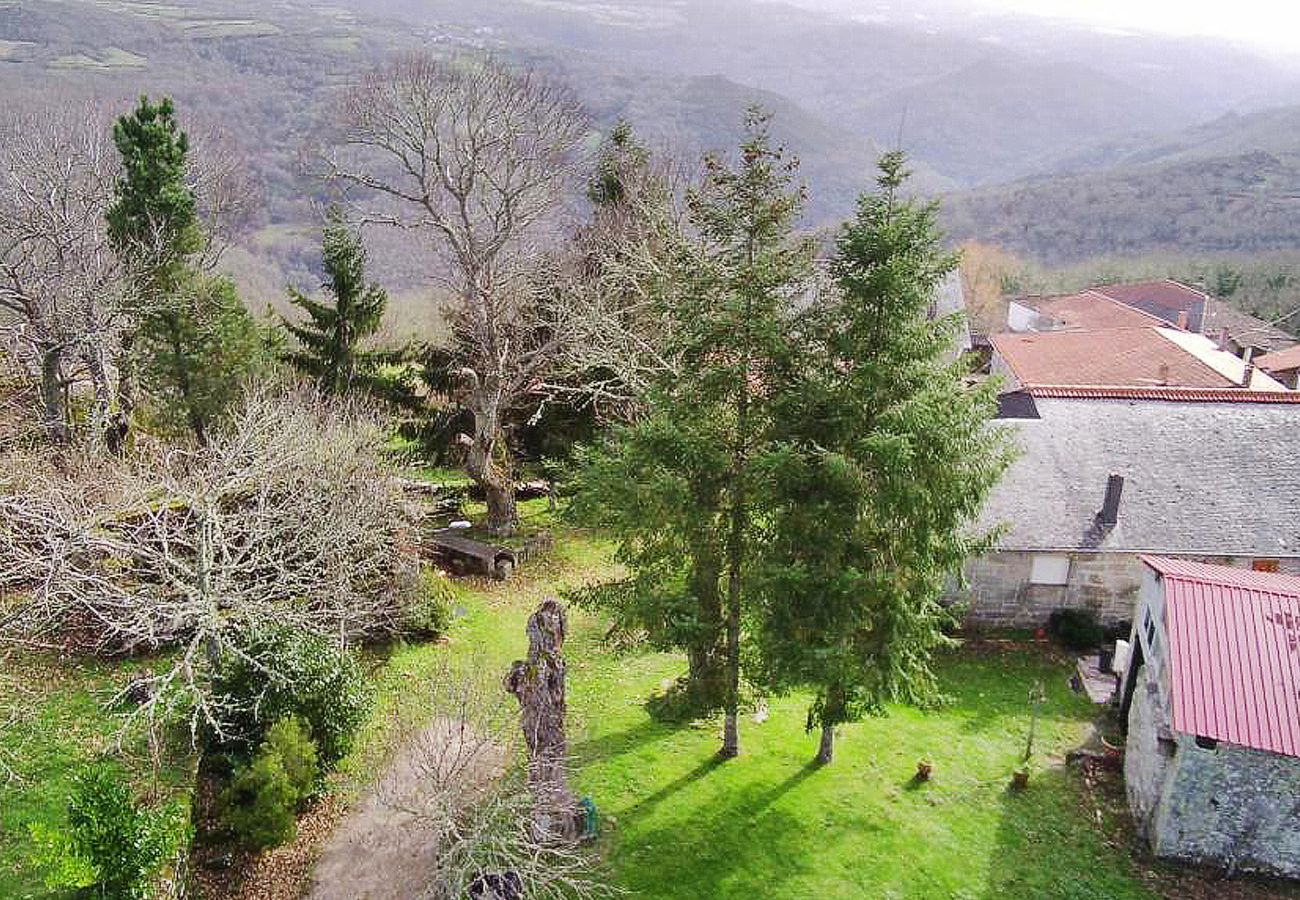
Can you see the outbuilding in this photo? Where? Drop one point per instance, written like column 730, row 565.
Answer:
column 1211, row 698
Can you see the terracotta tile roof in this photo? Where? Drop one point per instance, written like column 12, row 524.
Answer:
column 1127, row 357
column 1092, row 311
column 1281, row 361
column 1170, row 394
column 1233, row 639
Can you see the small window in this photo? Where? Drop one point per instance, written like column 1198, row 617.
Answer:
column 1265, row 565
column 1206, row 743
column 1050, row 568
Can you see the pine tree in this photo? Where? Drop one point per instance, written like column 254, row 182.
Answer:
column 682, row 485
column 196, row 354
column 153, row 222
column 886, row 460
column 189, row 340
column 331, row 334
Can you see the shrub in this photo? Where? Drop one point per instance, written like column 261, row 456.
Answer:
column 113, row 847
column 428, row 614
column 261, row 802
column 286, row 672
column 1077, row 629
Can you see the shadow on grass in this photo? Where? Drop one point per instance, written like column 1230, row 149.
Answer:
column 739, row 841
column 1048, row 847
column 607, row 746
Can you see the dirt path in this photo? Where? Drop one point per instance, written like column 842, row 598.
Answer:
column 383, row 850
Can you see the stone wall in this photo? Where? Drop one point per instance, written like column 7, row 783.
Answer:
column 1223, row 806
column 1231, row 806
column 1148, row 752
column 998, row 592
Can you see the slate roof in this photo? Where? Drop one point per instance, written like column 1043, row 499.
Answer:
column 1199, row 478
column 1133, row 357
column 1165, row 298
column 1232, row 639
column 1244, row 329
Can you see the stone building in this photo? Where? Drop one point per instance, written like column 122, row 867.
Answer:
column 1212, row 755
column 1108, row 474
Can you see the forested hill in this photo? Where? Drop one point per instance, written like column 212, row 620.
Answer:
column 977, row 100
column 1228, row 186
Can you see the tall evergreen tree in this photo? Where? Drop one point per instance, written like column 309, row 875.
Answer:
column 153, row 222
column 331, row 334
column 682, row 485
column 188, row 337
column 887, row 458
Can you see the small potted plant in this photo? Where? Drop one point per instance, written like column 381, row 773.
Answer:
column 924, row 766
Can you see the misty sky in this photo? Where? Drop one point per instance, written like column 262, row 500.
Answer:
column 1273, row 24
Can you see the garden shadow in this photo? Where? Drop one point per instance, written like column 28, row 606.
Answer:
column 720, row 851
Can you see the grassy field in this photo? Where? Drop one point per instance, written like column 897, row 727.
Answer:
column 53, row 719
column 678, row 824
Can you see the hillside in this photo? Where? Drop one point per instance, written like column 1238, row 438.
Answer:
column 1232, row 185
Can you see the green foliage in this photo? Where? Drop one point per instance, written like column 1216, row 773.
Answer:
column 1077, row 629
column 261, row 803
column 113, row 846
column 285, row 672
column 886, row 460
column 196, row 353
column 153, row 221
column 680, row 487
column 427, row 614
column 331, row 335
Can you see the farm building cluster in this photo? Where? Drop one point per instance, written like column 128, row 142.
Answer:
column 1157, row 489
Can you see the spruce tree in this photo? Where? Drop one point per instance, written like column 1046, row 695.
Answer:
column 682, row 486
column 886, row 458
column 332, row 332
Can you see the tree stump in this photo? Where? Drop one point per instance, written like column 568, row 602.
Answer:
column 538, row 683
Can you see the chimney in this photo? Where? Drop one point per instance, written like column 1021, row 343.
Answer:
column 1247, row 374
column 1109, row 514
column 1164, row 373
column 1182, row 319
column 1223, row 339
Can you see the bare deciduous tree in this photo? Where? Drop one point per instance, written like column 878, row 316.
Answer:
column 286, row 517
column 476, row 157
column 58, row 275
column 462, row 788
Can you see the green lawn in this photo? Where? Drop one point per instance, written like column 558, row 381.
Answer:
column 681, row 825
column 53, row 720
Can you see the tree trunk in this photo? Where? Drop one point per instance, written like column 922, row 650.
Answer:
column 735, row 559
column 102, row 406
column 706, row 653
column 487, row 462
column 826, row 752
column 120, row 428
column 538, row 684
column 54, row 412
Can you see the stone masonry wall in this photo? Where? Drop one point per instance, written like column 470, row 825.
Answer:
column 999, row 595
column 1146, row 756
column 1231, row 806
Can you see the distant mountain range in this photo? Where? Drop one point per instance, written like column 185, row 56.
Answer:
column 1060, row 141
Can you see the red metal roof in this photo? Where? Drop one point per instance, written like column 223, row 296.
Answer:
column 1173, row 394
column 1233, row 640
